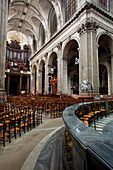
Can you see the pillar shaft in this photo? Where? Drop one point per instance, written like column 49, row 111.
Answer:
column 88, row 66
column 28, row 85
column 64, row 76
column 3, row 31
column 8, row 84
column 20, row 85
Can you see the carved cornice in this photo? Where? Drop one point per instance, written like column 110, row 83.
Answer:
column 87, row 7
column 88, row 26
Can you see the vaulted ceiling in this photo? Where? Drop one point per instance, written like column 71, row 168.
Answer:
column 25, row 17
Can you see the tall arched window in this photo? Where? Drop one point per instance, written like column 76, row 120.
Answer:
column 34, row 44
column 64, row 9
column 71, row 8
column 42, row 34
column 53, row 21
column 105, row 4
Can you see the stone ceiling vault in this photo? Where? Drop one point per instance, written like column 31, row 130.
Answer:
column 25, row 16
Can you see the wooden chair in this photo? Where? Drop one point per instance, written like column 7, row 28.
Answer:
column 24, row 122
column 5, row 131
column 30, row 122
column 16, row 125
column 39, row 117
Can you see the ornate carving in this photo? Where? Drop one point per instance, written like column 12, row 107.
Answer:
column 59, row 46
column 14, row 44
column 89, row 25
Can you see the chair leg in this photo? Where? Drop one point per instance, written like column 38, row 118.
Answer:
column 3, row 139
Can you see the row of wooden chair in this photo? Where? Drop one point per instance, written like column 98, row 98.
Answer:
column 15, row 121
column 49, row 105
column 23, row 113
column 93, row 116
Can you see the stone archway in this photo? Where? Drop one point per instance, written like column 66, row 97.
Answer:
column 105, row 69
column 42, row 77
column 52, row 73
column 71, row 68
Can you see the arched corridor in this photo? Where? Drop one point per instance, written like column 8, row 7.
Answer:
column 72, row 56
column 105, row 64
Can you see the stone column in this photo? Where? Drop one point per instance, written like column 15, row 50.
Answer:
column 20, row 85
column 109, row 80
column 46, row 76
column 112, row 68
column 88, row 65
column 31, row 79
column 3, row 32
column 8, row 83
column 38, row 78
column 32, row 83
column 59, row 69
column 40, row 81
column 64, row 78
column 27, row 84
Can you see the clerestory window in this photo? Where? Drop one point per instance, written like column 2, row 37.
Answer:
column 104, row 4
column 42, row 34
column 53, row 21
column 71, row 8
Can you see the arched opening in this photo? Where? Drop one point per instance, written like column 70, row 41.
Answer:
column 104, row 54
column 71, row 8
column 42, row 77
column 42, row 34
column 52, row 74
column 71, row 55
column 52, row 21
column 34, row 44
column 14, row 85
column 103, row 77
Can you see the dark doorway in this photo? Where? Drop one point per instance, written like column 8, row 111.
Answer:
column 14, row 84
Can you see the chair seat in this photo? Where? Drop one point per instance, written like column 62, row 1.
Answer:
column 14, row 129
column 24, row 125
column 7, row 121
column 87, row 116
column 6, row 134
column 86, row 122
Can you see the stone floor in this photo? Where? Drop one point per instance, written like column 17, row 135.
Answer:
column 23, row 152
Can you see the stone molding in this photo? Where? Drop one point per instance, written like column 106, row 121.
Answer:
column 88, row 26
column 87, row 7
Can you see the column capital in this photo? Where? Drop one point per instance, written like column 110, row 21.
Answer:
column 88, row 26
